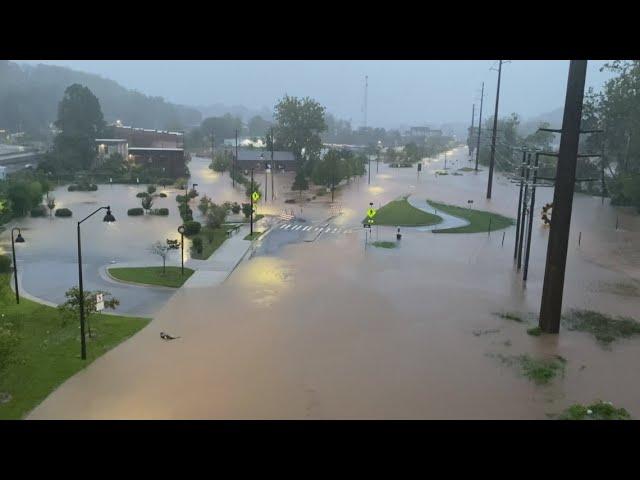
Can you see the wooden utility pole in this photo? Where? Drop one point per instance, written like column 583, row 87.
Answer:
column 233, row 167
column 473, row 117
column 479, row 126
column 493, row 136
column 272, row 167
column 553, row 287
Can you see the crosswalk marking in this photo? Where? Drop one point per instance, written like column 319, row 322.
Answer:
column 320, row 229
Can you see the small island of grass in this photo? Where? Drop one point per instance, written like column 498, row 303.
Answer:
column 479, row 219
column 402, row 214
column 171, row 277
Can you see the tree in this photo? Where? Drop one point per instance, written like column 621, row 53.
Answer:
column 247, row 208
column 258, row 126
column 221, row 162
column 81, row 121
column 71, row 307
column 51, row 203
column 147, row 202
column 299, row 125
column 300, row 183
column 204, row 205
column 216, row 216
column 252, row 187
column 162, row 250
column 222, row 127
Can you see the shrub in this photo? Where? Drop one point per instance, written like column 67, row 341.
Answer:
column 151, row 189
column 165, row 181
column 163, row 195
column 71, row 188
column 235, row 208
column 63, row 212
column 39, row 211
column 134, row 212
column 5, row 264
column 180, row 198
column 83, row 187
column 290, row 200
column 142, row 194
column 197, row 244
column 192, row 228
column 160, row 211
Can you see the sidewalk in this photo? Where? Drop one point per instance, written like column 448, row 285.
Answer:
column 216, row 269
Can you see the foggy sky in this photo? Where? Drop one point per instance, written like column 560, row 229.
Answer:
column 400, row 92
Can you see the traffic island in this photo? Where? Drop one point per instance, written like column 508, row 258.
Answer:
column 479, row 220
column 401, row 213
column 151, row 276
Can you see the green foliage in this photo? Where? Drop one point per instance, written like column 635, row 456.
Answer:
column 160, row 211
column 300, row 121
column 162, row 195
column 83, row 186
column 63, row 212
column 605, row 328
column 540, row 371
column 384, row 244
column 534, row 331
column 235, row 208
column 151, row 189
column 147, row 202
column 479, row 220
column 142, row 195
column 252, row 187
column 247, row 209
column 300, row 182
column 258, row 126
column 216, row 215
column 5, row 264
column 401, row 213
column 221, row 161
column 515, row 317
column 166, row 277
column 598, row 410
column 134, row 212
column 23, row 193
column 192, row 228
column 81, row 121
column 39, row 211
column 197, row 244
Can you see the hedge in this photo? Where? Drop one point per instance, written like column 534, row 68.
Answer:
column 160, row 211
column 134, row 212
column 142, row 194
column 63, row 212
column 163, row 195
column 39, row 211
column 83, row 188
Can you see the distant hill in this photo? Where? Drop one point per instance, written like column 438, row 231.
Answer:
column 29, row 97
column 554, row 118
column 219, row 109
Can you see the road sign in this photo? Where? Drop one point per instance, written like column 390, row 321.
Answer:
column 371, row 212
column 255, row 196
column 99, row 302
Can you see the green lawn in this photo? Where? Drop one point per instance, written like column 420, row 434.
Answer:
column 402, row 214
column 219, row 236
column 39, row 351
column 152, row 275
column 479, row 219
column 254, row 236
column 384, row 244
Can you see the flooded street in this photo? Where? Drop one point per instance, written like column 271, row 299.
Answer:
column 326, row 328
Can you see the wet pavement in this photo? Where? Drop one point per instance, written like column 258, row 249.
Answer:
column 331, row 329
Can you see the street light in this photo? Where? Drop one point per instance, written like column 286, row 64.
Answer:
column 266, row 184
column 108, row 218
column 181, row 232
column 18, row 239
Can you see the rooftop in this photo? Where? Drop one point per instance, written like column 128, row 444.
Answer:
column 254, row 155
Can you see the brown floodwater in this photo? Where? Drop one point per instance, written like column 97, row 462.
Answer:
column 331, row 329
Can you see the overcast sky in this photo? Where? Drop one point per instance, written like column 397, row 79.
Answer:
column 400, row 92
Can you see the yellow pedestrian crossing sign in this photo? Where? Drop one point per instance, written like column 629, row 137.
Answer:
column 371, row 213
column 255, row 196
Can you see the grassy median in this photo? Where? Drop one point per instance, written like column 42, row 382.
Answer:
column 40, row 349
column 172, row 277
column 479, row 219
column 402, row 214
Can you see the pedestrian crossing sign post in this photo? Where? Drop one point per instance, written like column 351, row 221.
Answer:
column 371, row 213
column 99, row 302
column 255, row 196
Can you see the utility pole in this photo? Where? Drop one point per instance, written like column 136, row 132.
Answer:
column 553, row 286
column 524, row 156
column 369, row 168
column 473, row 115
column 366, row 87
column 445, row 160
column 493, row 136
column 523, row 217
column 252, row 204
column 531, row 210
column 479, row 126
column 272, row 167
column 212, row 146
column 233, row 167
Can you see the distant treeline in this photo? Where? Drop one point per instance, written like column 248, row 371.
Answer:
column 29, row 97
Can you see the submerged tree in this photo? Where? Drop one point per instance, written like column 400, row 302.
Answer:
column 71, row 307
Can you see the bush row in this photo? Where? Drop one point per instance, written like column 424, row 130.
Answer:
column 63, row 212
column 83, row 188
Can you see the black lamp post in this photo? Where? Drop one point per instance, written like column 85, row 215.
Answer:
column 18, row 239
column 109, row 218
column 181, row 232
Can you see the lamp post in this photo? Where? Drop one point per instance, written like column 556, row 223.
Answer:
column 109, row 218
column 266, row 184
column 181, row 232
column 18, row 239
column 252, row 202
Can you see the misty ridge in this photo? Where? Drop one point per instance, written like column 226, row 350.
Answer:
column 29, row 97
